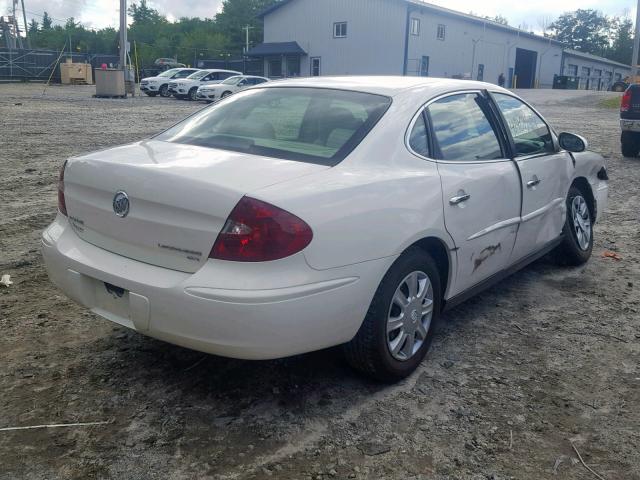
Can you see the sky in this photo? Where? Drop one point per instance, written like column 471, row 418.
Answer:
column 102, row 13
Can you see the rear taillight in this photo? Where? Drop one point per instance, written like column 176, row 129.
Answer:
column 260, row 232
column 625, row 104
column 62, row 204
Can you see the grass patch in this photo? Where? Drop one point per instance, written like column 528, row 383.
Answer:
column 613, row 103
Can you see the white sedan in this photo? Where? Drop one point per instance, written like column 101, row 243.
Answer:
column 212, row 93
column 309, row 213
column 159, row 85
column 187, row 88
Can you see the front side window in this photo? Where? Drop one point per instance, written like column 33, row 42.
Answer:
column 304, row 124
column 185, row 73
column 415, row 26
column 442, row 32
column 340, row 30
column 198, row 75
column 531, row 135
column 462, row 130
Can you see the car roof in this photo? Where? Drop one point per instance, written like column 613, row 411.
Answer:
column 386, row 85
column 210, row 70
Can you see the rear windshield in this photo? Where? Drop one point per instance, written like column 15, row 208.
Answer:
column 305, row 124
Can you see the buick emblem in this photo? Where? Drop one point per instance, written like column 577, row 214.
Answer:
column 121, row 204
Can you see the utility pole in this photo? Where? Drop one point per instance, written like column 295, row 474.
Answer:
column 123, row 35
column 636, row 43
column 246, row 29
column 26, row 27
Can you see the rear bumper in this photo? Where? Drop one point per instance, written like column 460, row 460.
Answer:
column 247, row 311
column 630, row 125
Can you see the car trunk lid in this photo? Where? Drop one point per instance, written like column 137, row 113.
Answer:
column 179, row 197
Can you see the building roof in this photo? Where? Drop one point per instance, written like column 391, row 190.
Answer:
column 595, row 58
column 384, row 85
column 279, row 48
column 442, row 10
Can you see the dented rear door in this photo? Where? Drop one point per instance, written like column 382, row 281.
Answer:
column 480, row 187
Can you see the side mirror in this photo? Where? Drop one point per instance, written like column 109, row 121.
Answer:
column 572, row 142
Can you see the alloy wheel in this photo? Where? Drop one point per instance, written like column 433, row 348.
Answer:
column 410, row 315
column 581, row 222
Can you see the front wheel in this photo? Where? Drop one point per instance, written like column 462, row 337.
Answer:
column 577, row 244
column 193, row 94
column 397, row 331
column 225, row 94
column 164, row 91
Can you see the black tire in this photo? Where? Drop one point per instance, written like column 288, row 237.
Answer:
column 151, row 94
column 569, row 251
column 193, row 94
column 225, row 95
column 369, row 352
column 630, row 144
column 164, row 91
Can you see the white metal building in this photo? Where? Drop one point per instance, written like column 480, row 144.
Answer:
column 410, row 37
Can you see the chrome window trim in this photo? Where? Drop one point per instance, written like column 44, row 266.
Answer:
column 422, row 109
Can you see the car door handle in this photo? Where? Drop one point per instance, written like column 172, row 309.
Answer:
column 458, row 199
column 534, row 183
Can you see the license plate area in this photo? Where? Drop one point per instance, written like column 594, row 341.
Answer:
column 113, row 299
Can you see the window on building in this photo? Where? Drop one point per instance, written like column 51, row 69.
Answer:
column 275, row 67
column 572, row 70
column 442, row 32
column 415, row 26
column 531, row 135
column 462, row 130
column 340, row 30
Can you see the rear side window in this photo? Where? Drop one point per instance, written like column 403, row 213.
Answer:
column 531, row 135
column 418, row 138
column 462, row 130
column 306, row 124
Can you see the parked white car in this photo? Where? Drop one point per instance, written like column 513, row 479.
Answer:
column 187, row 88
column 212, row 93
column 309, row 213
column 159, row 85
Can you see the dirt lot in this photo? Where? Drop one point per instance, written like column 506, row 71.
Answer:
column 546, row 358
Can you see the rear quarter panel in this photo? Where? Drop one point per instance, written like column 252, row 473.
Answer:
column 376, row 203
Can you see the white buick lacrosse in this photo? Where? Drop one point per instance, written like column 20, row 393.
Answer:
column 309, row 213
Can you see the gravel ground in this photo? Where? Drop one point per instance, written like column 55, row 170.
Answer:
column 546, row 358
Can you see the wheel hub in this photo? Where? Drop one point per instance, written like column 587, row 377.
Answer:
column 409, row 316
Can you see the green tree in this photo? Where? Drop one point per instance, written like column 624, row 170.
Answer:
column 237, row 14
column 622, row 45
column 47, row 23
column 585, row 30
column 33, row 28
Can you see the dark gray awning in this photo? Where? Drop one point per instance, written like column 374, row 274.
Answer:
column 282, row 48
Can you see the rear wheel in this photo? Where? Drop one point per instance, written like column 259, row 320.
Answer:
column 630, row 143
column 577, row 244
column 398, row 328
column 164, row 91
